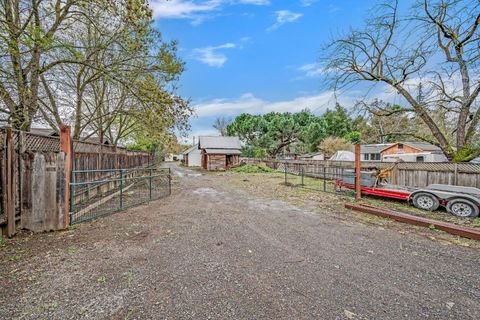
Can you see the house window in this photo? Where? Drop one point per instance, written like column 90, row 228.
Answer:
column 375, row 156
column 400, row 146
column 420, row 159
column 366, row 156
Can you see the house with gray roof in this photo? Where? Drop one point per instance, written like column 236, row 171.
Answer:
column 219, row 152
column 373, row 152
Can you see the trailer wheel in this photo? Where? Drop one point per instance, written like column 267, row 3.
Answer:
column 426, row 201
column 463, row 208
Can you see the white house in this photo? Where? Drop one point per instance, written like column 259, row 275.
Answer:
column 193, row 156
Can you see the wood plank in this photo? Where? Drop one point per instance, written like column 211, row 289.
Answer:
column 10, row 194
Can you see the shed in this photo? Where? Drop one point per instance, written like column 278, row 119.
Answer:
column 218, row 152
column 192, row 157
column 343, row 155
column 312, row 156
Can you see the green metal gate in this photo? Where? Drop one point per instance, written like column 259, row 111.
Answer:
column 95, row 193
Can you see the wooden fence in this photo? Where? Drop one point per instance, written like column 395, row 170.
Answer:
column 34, row 176
column 412, row 174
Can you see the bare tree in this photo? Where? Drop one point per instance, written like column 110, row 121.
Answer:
column 436, row 44
column 221, row 124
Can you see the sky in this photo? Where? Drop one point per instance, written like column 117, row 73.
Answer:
column 255, row 56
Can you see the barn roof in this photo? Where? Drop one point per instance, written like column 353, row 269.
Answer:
column 219, row 142
column 222, row 151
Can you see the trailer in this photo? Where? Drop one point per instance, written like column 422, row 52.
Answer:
column 457, row 200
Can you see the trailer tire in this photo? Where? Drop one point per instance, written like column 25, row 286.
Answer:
column 463, row 208
column 426, row 201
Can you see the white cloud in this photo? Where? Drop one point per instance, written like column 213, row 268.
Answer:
column 251, row 104
column 195, row 10
column 332, row 8
column 283, row 17
column 178, row 9
column 307, row 3
column 255, row 2
column 211, row 55
column 312, row 70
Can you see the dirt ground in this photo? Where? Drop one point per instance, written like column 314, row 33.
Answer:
column 237, row 246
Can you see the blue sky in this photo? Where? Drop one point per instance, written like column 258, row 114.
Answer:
column 255, row 55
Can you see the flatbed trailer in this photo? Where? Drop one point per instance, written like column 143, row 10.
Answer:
column 459, row 201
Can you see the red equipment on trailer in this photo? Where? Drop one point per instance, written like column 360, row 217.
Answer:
column 458, row 200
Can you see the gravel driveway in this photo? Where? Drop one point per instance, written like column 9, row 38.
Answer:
column 211, row 253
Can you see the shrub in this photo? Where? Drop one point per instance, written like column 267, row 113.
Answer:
column 253, row 168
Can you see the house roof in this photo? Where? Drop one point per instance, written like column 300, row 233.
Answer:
column 374, row 148
column 310, row 155
column 194, row 147
column 43, row 131
column 419, row 145
column 219, row 142
column 222, row 151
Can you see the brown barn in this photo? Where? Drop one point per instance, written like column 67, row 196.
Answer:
column 219, row 153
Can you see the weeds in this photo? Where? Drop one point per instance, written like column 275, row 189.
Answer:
column 16, row 257
column 51, row 305
column 102, row 279
column 252, row 168
column 128, row 276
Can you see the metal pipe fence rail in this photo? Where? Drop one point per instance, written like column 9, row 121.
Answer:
column 317, row 178
column 409, row 174
column 115, row 190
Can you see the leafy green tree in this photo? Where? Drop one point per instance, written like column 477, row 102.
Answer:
column 298, row 132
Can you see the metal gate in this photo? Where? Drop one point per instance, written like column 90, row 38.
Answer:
column 95, row 193
column 317, row 177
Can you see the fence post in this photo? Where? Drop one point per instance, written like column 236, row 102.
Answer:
column 303, row 174
column 169, row 181
column 456, row 174
column 66, row 147
column 121, row 189
column 10, row 184
column 150, row 185
column 358, row 173
column 324, row 179
column 285, row 169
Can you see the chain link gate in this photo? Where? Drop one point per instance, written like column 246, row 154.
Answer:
column 95, row 193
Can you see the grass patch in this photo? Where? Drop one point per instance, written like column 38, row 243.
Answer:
column 253, row 168
column 3, row 242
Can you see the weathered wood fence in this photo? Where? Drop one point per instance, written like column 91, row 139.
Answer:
column 35, row 175
column 412, row 174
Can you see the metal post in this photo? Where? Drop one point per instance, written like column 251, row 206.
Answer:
column 72, row 198
column 303, row 173
column 169, row 181
column 285, row 169
column 358, row 174
column 150, row 183
column 121, row 189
